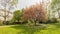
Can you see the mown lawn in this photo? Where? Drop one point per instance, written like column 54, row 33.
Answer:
column 23, row 29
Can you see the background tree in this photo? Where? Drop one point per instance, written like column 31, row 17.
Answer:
column 7, row 6
column 35, row 13
column 52, row 11
column 17, row 15
column 55, row 6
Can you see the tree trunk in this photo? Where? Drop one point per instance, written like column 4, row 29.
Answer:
column 59, row 14
column 35, row 23
column 18, row 21
column 5, row 15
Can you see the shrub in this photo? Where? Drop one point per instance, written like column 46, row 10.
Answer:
column 6, row 22
column 53, row 20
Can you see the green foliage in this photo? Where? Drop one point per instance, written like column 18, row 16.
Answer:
column 14, row 2
column 17, row 15
column 31, row 22
column 6, row 22
column 53, row 20
column 55, row 4
column 54, row 9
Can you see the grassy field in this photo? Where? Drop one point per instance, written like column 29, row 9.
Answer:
column 24, row 29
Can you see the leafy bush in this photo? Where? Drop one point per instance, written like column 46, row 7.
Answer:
column 53, row 20
column 6, row 22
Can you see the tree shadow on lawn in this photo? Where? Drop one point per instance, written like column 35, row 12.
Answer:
column 57, row 25
column 23, row 29
column 53, row 26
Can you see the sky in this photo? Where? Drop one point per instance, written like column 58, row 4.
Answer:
column 27, row 3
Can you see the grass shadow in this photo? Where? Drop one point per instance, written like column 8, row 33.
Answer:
column 24, row 29
column 57, row 25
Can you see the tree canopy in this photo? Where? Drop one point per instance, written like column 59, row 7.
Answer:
column 17, row 15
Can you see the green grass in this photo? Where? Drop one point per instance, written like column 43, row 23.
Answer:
column 23, row 29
